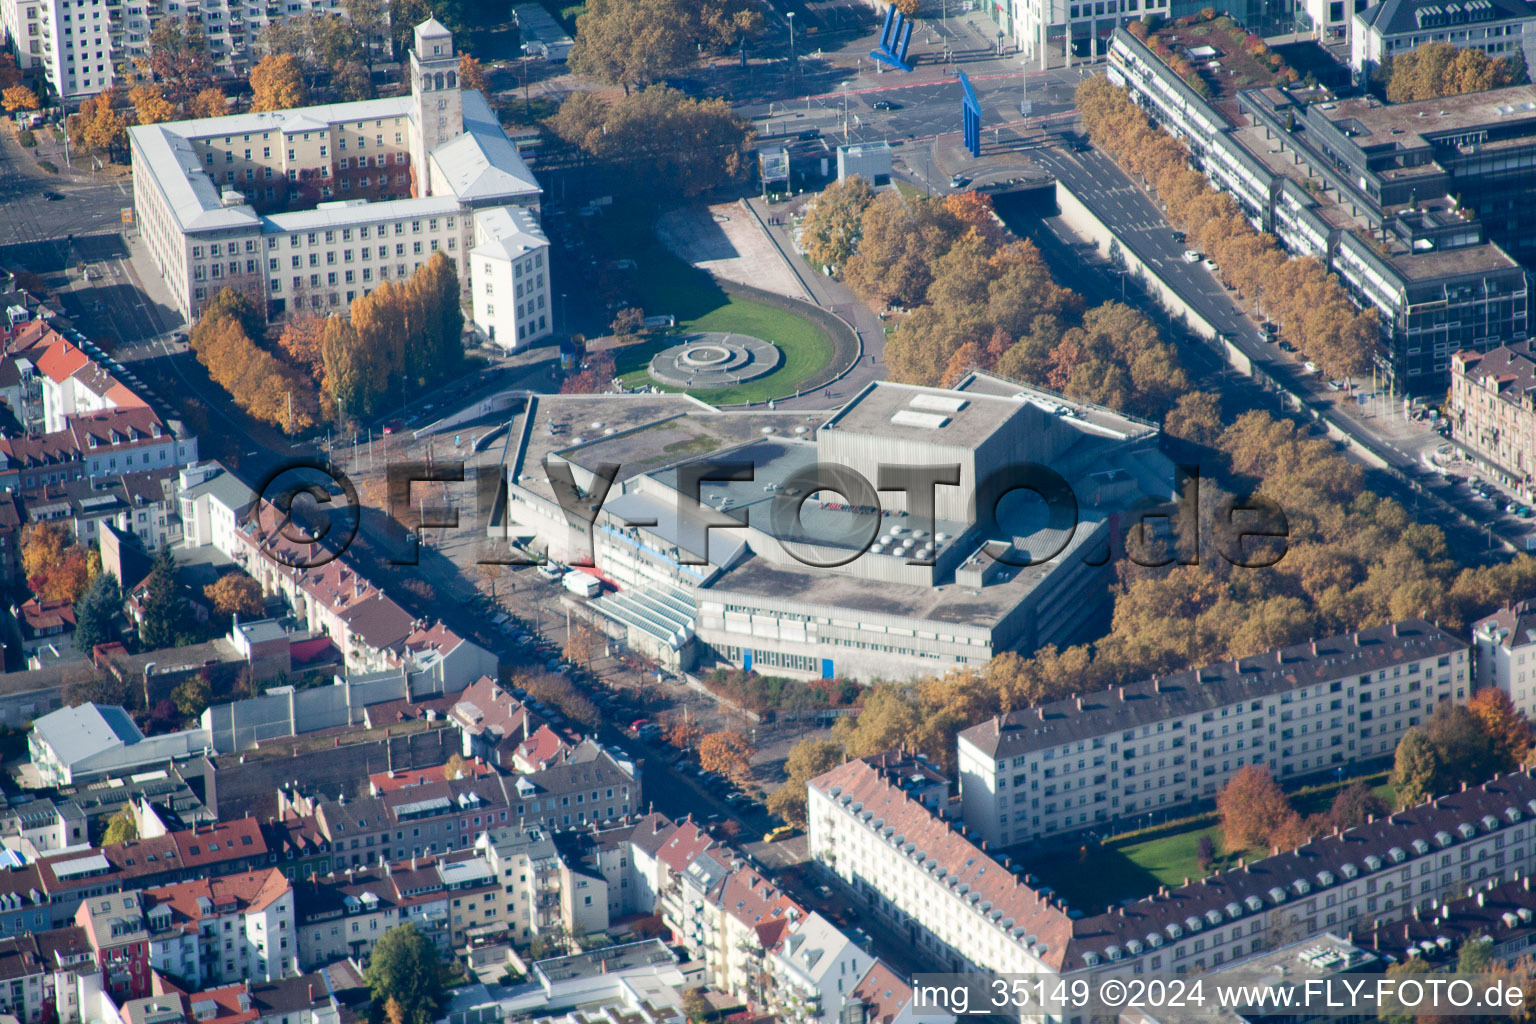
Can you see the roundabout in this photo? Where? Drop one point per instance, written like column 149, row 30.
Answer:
column 714, row 360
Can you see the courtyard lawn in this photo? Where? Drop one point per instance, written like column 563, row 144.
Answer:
column 1091, row 876
column 666, row 285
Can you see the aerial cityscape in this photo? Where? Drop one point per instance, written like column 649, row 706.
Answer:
column 756, row 511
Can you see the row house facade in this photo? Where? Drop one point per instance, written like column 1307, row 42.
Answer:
column 970, row 912
column 217, row 931
column 1492, row 412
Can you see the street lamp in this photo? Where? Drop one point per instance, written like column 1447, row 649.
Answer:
column 791, row 17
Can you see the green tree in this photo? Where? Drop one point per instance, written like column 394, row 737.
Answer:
column 1414, row 768
column 1475, row 955
column 405, row 968
column 121, row 827
column 807, row 759
column 830, row 232
column 192, row 695
column 163, row 614
column 96, row 612
column 232, row 302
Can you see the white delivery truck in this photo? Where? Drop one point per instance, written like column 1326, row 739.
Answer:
column 581, row 583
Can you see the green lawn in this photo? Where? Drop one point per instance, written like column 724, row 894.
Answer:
column 1091, row 876
column 667, row 285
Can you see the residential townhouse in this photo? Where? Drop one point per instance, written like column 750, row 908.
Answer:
column 220, row 930
column 42, row 826
column 74, row 384
column 1504, row 644
column 114, row 928
column 340, row 916
column 493, row 722
column 100, row 444
column 372, row 631
column 527, row 864
column 1502, row 914
column 968, row 911
column 1155, row 746
column 1491, row 409
column 38, row 974
column 213, row 504
column 80, row 48
column 143, row 504
column 816, row 970
column 217, row 848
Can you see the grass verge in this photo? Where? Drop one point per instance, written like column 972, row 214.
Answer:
column 667, row 285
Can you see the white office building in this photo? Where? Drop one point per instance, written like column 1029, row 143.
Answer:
column 510, row 275
column 314, row 207
column 1160, row 744
column 1500, row 28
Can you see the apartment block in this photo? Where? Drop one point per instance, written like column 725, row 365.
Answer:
column 1492, row 412
column 1382, row 195
column 217, row 931
column 77, row 46
column 969, row 912
column 1504, row 644
column 1155, row 746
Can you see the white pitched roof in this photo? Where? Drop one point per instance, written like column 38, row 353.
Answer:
column 483, row 163
column 507, row 232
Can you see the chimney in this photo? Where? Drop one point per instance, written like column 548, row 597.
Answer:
column 1480, row 898
column 311, row 992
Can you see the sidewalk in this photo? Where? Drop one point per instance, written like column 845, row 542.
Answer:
column 834, row 297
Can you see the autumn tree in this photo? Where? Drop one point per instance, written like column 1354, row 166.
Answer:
column 888, row 717
column 264, row 388
column 1251, row 806
column 829, row 234
column 191, row 696
column 1506, row 731
column 235, row 593
column 472, row 74
column 300, row 341
column 684, row 733
column 807, row 759
column 150, row 105
column 1464, row 751
column 583, row 646
column 454, row 767
column 277, row 83
column 1355, row 804
column 729, row 753
column 56, row 568
column 1435, row 69
column 19, row 97
column 679, row 145
column 1195, row 417
column 121, row 827
column 209, row 102
column 179, row 60
column 632, row 43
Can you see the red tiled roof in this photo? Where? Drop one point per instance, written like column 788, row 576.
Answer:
column 251, row 891
column 883, row 993
column 61, row 360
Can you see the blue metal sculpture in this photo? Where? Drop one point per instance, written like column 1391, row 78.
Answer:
column 970, row 111
column 895, row 39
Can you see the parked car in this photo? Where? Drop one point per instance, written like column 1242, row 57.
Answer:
column 1190, row 256
column 53, row 196
column 782, row 832
column 959, row 181
column 1179, row 236
column 885, row 105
